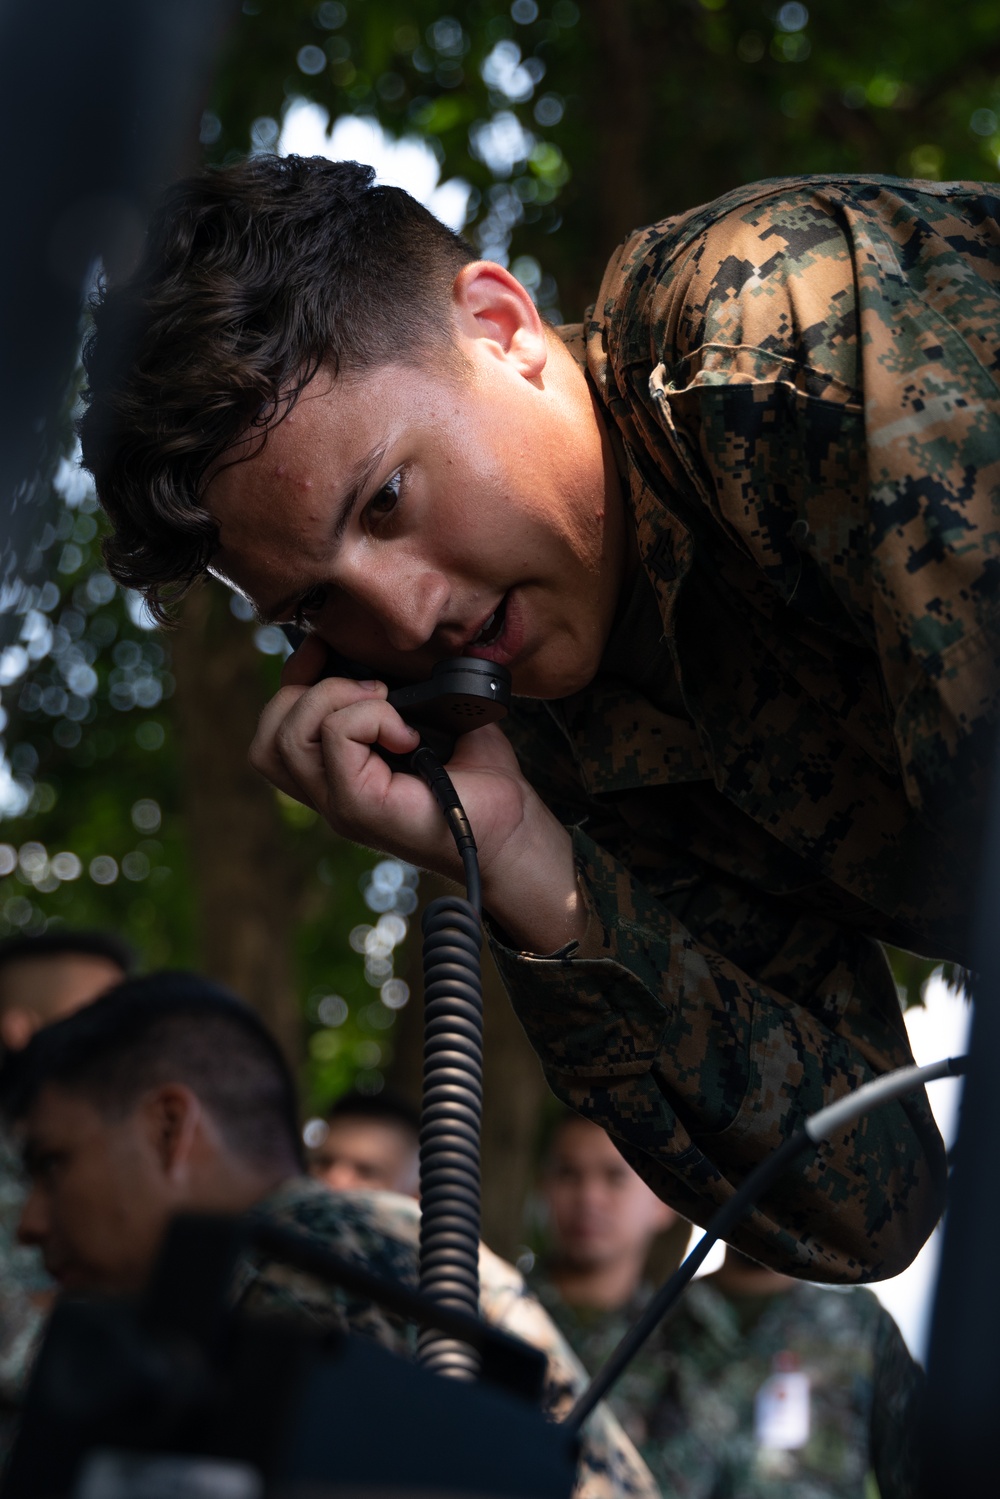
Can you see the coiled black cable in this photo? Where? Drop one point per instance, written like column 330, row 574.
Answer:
column 451, row 1115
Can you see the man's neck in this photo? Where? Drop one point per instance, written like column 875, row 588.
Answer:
column 604, row 1287
column 740, row 1276
column 238, row 1188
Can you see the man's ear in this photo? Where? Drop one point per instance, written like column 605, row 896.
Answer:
column 492, row 304
column 17, row 1027
column 172, row 1115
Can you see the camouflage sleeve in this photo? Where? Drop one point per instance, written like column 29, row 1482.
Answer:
column 24, row 1285
column 377, row 1230
column 609, row 1467
column 699, row 1070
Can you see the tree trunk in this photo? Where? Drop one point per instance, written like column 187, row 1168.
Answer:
column 247, row 876
column 515, row 1091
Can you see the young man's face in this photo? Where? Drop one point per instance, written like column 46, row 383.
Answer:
column 412, row 515
column 600, row 1211
column 97, row 1207
column 362, row 1153
column 38, row 989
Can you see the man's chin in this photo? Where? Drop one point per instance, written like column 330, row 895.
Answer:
column 587, row 1256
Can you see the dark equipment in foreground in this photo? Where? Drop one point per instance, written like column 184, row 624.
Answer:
column 181, row 1395
column 113, row 90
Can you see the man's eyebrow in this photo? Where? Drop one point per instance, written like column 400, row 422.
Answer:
column 358, row 481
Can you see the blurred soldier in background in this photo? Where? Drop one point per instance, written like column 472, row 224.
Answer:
column 756, row 1386
column 603, row 1219
column 127, row 1119
column 370, row 1141
column 42, row 978
column 46, row 977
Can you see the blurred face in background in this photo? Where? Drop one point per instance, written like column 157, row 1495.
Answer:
column 37, row 989
column 600, row 1211
column 100, row 1195
column 376, row 1155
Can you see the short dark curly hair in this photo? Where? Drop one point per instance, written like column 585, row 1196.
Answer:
column 254, row 276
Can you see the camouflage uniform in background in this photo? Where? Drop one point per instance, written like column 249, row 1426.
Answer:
column 23, row 1283
column 781, row 762
column 381, row 1231
column 687, row 1401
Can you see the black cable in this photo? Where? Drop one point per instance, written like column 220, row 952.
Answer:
column 451, row 1115
column 427, row 765
column 817, row 1128
column 518, row 1364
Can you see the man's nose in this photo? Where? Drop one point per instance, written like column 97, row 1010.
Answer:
column 342, row 1177
column 407, row 600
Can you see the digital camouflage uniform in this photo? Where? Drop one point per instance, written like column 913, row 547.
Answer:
column 780, row 760
column 23, row 1282
column 381, row 1231
column 22, row 1275
column 687, row 1401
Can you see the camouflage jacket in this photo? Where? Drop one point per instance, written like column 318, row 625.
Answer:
column 381, row 1230
column 23, row 1280
column 689, row 1400
column 779, row 762
column 23, row 1284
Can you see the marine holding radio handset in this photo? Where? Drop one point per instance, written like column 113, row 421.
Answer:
column 462, row 693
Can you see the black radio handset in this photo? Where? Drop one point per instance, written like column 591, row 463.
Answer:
column 461, row 693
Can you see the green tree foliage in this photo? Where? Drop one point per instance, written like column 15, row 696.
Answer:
column 92, row 806
column 575, row 122
column 95, row 829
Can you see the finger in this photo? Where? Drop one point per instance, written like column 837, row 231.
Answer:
column 348, row 738
column 300, row 709
column 369, row 801
column 325, row 753
column 306, row 664
column 289, row 716
column 300, row 723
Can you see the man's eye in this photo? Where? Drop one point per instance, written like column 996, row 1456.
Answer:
column 43, row 1164
column 310, row 603
column 384, row 502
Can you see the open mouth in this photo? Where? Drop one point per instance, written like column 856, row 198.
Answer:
column 493, row 627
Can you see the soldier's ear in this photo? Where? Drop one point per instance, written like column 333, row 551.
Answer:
column 17, row 1027
column 169, row 1116
column 492, row 309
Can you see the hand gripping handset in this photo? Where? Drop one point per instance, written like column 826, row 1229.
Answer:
column 461, row 694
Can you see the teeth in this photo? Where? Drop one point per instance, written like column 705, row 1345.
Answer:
column 491, row 627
